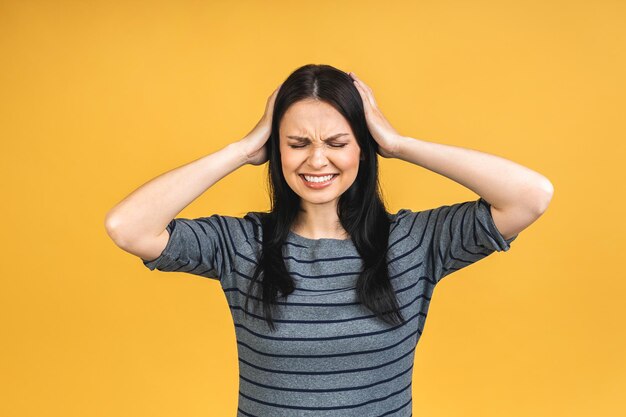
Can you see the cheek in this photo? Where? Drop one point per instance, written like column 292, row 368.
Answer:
column 288, row 158
column 348, row 160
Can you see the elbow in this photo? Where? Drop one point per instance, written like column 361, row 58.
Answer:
column 112, row 225
column 110, row 222
column 546, row 191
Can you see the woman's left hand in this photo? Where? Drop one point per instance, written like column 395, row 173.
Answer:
column 385, row 135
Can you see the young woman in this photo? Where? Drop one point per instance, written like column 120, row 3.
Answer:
column 328, row 291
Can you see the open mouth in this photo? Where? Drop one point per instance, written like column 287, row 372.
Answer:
column 316, row 184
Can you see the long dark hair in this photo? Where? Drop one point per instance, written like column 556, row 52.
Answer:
column 361, row 210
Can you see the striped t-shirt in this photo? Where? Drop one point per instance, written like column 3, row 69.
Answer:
column 330, row 356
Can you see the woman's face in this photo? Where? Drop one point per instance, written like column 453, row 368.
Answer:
column 316, row 139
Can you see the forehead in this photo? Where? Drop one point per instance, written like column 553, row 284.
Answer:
column 312, row 116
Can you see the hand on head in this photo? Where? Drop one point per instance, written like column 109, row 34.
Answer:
column 384, row 134
column 253, row 144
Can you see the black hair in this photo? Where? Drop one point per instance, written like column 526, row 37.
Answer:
column 360, row 208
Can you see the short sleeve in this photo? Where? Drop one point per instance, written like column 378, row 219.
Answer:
column 205, row 246
column 457, row 235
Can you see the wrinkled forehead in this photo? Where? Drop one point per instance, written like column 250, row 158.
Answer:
column 312, row 117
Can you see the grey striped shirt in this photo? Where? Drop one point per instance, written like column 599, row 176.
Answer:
column 330, row 356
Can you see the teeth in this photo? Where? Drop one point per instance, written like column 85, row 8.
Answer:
column 318, row 179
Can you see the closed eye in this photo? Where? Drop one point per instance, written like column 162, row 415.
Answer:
column 334, row 146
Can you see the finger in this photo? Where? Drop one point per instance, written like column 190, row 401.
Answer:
column 367, row 103
column 370, row 93
column 366, row 90
column 272, row 97
column 360, row 81
column 366, row 95
column 360, row 90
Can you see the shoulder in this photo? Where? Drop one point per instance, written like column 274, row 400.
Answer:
column 399, row 215
column 415, row 228
column 402, row 229
column 410, row 220
column 239, row 228
column 405, row 220
column 230, row 232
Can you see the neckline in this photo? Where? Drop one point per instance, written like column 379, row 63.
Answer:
column 303, row 239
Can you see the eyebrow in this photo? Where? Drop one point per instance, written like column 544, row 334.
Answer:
column 301, row 138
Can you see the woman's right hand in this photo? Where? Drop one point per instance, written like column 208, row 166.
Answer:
column 253, row 144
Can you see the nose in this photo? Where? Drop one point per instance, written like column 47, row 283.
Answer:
column 317, row 157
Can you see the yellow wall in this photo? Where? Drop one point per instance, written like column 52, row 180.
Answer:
column 99, row 97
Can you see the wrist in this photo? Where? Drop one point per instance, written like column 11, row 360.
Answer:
column 240, row 150
column 399, row 145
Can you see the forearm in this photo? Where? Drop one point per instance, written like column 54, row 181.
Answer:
column 148, row 209
column 501, row 182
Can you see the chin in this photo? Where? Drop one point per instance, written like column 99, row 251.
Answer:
column 320, row 199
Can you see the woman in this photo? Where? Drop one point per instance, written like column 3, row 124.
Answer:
column 328, row 291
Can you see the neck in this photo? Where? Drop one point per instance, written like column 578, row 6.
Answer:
column 317, row 221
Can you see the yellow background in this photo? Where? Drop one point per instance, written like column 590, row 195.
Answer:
column 99, row 97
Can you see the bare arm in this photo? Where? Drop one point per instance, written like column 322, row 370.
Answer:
column 138, row 223
column 517, row 194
